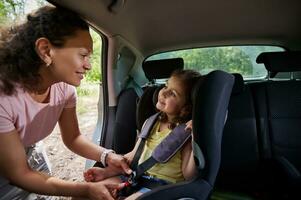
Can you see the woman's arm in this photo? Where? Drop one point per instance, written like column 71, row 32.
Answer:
column 74, row 140
column 14, row 167
column 80, row 145
column 98, row 174
column 188, row 165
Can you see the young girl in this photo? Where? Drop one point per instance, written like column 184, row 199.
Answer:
column 175, row 105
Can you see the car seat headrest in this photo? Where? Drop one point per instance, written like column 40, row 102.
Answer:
column 281, row 61
column 160, row 69
column 145, row 106
column 239, row 85
column 156, row 93
column 195, row 88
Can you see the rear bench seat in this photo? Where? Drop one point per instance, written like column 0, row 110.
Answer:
column 261, row 147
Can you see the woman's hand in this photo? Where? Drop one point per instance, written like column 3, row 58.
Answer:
column 118, row 162
column 104, row 191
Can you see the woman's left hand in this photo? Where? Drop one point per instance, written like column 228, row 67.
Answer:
column 117, row 161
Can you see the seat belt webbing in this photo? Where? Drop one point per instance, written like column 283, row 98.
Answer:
column 143, row 135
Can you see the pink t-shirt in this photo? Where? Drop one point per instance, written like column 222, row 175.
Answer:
column 33, row 120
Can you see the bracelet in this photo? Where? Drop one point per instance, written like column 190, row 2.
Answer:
column 104, row 155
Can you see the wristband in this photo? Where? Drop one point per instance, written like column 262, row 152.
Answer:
column 104, row 155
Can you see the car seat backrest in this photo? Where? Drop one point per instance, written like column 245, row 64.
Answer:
column 283, row 106
column 209, row 120
column 240, row 153
column 125, row 123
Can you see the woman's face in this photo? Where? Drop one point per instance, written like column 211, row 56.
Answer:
column 172, row 98
column 71, row 62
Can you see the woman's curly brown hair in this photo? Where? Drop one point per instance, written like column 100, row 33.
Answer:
column 188, row 78
column 19, row 62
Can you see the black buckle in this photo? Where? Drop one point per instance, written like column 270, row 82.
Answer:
column 130, row 184
column 132, row 179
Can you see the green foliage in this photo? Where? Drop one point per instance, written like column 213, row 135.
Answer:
column 13, row 10
column 229, row 59
column 94, row 75
column 87, row 89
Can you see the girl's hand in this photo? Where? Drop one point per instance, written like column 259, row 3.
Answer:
column 104, row 191
column 117, row 162
column 188, row 126
column 95, row 174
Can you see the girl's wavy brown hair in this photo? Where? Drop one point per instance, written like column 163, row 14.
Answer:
column 188, row 79
column 19, row 62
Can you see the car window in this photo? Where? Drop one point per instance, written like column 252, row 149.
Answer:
column 233, row 59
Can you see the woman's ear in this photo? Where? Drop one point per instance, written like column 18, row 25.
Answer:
column 43, row 47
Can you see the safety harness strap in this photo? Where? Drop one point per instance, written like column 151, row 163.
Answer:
column 169, row 146
column 143, row 167
column 134, row 163
column 146, row 129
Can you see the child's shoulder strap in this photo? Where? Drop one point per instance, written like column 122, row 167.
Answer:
column 146, row 129
column 169, row 146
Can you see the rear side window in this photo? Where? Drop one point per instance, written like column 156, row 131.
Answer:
column 233, row 59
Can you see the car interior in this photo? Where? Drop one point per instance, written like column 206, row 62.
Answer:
column 246, row 115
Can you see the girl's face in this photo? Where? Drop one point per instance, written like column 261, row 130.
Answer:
column 71, row 62
column 172, row 98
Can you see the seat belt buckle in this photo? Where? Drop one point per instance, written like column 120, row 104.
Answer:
column 131, row 179
column 129, row 185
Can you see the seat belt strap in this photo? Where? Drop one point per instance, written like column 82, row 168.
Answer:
column 146, row 129
column 143, row 167
column 169, row 146
column 137, row 155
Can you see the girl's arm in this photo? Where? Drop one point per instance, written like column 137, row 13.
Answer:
column 14, row 167
column 188, row 165
column 80, row 145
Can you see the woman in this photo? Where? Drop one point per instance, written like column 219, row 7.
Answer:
column 40, row 62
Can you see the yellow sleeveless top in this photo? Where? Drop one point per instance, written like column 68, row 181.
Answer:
column 170, row 171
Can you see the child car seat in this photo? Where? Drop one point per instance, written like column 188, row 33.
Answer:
column 210, row 103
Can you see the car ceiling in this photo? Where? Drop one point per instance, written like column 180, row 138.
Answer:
column 155, row 26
